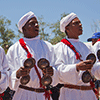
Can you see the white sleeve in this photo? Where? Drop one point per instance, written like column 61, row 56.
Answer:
column 96, row 67
column 4, row 81
column 96, row 47
column 67, row 72
column 96, row 70
column 13, row 81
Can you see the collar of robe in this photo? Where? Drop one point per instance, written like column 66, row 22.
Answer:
column 30, row 39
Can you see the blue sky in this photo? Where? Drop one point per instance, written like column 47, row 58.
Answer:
column 88, row 11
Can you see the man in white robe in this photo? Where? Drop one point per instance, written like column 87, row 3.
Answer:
column 4, row 71
column 16, row 56
column 71, row 69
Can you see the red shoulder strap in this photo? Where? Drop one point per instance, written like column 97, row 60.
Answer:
column 29, row 55
column 25, row 48
column 47, row 94
column 65, row 41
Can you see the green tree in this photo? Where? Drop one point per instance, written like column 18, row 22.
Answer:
column 56, row 33
column 6, row 34
column 95, row 27
column 19, row 34
column 43, row 27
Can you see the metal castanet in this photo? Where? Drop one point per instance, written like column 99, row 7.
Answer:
column 46, row 80
column 86, row 76
column 98, row 54
column 43, row 63
column 25, row 79
column 28, row 64
column 92, row 57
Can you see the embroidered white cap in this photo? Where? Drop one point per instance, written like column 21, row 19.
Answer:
column 66, row 20
column 24, row 19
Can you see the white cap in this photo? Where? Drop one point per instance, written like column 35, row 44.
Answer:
column 66, row 20
column 24, row 19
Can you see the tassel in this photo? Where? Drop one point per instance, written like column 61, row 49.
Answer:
column 1, row 95
column 47, row 94
column 93, row 87
column 95, row 90
column 92, row 84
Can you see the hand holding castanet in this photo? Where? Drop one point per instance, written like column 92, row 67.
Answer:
column 87, row 76
column 47, row 70
column 24, row 71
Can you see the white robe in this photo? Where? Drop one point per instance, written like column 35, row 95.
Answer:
column 4, row 81
column 17, row 55
column 96, row 47
column 66, row 66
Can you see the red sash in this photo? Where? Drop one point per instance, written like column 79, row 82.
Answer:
column 1, row 96
column 65, row 41
column 29, row 55
column 78, row 56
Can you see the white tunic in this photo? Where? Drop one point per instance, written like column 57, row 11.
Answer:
column 96, row 70
column 17, row 55
column 96, row 47
column 4, row 81
column 66, row 65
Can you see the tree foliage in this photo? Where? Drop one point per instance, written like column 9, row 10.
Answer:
column 51, row 32
column 57, row 34
column 95, row 27
column 43, row 26
column 6, row 34
column 19, row 34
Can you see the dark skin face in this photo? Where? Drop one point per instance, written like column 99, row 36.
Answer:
column 31, row 28
column 74, row 29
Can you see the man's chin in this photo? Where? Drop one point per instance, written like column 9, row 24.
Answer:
column 80, row 33
column 37, row 32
